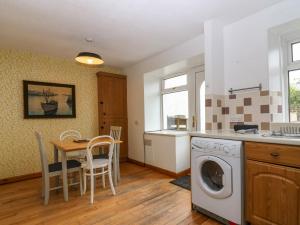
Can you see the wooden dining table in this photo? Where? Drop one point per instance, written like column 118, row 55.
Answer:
column 66, row 146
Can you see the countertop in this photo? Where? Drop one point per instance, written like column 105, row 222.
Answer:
column 172, row 133
column 231, row 135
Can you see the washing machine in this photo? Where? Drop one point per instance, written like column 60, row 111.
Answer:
column 217, row 179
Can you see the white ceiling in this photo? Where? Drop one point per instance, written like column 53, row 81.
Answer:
column 124, row 31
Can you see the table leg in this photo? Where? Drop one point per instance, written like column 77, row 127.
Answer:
column 55, row 154
column 118, row 162
column 56, row 160
column 115, row 166
column 64, row 174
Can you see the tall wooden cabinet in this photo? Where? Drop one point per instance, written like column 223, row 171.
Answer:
column 272, row 184
column 112, row 106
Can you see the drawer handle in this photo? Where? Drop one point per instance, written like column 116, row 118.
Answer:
column 275, row 154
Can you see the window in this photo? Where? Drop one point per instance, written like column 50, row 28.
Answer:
column 293, row 70
column 294, row 95
column 175, row 82
column 296, row 51
column 175, row 103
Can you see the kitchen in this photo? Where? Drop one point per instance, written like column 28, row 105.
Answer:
column 209, row 103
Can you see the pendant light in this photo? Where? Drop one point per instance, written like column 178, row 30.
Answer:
column 89, row 58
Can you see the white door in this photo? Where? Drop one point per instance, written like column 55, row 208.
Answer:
column 214, row 176
column 196, row 99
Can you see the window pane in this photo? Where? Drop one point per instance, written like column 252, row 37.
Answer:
column 176, row 81
column 296, row 51
column 175, row 110
column 294, row 95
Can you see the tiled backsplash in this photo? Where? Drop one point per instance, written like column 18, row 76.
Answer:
column 255, row 107
column 214, row 112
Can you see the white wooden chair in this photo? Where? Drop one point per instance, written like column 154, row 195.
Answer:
column 91, row 165
column 72, row 134
column 54, row 169
column 115, row 133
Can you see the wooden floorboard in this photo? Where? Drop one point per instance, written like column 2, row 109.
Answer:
column 143, row 197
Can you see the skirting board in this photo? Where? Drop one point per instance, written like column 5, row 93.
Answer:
column 20, row 178
column 32, row 176
column 167, row 172
column 39, row 174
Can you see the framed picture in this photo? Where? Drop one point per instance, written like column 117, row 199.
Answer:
column 48, row 100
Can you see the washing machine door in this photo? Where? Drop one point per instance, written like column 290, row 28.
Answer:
column 214, row 176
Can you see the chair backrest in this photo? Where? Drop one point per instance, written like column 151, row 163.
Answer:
column 115, row 132
column 75, row 134
column 103, row 140
column 43, row 154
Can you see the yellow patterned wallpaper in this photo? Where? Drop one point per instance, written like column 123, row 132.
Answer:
column 18, row 148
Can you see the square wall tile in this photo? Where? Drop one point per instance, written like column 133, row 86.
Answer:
column 219, row 126
column 279, row 109
column 239, row 109
column 215, row 118
column 208, row 126
column 264, row 109
column 208, row 102
column 248, row 117
column 247, row 101
column 264, row 93
column 232, row 96
column 265, row 126
column 225, row 110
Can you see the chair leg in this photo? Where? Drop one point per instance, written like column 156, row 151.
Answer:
column 43, row 187
column 92, row 188
column 46, row 191
column 80, row 181
column 110, row 181
column 118, row 161
column 84, row 181
column 103, row 178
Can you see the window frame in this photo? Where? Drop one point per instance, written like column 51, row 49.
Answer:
column 169, row 91
column 174, row 89
column 290, row 65
column 291, row 45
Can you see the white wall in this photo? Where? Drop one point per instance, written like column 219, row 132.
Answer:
column 152, row 103
column 214, row 57
column 246, row 45
column 135, row 94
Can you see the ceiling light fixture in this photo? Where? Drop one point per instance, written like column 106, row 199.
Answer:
column 89, row 58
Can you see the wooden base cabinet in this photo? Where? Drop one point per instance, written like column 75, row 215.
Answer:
column 272, row 191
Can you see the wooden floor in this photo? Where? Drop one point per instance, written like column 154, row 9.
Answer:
column 143, row 197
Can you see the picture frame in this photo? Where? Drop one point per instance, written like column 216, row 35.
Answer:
column 48, row 100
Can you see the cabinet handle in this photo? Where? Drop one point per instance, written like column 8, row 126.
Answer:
column 274, row 154
column 104, row 123
column 102, row 127
column 101, row 103
column 104, row 114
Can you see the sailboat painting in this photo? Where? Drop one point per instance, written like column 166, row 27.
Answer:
column 48, row 100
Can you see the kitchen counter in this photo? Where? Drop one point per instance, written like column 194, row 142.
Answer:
column 231, row 135
column 173, row 133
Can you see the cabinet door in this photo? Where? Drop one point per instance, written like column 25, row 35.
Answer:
column 272, row 194
column 112, row 96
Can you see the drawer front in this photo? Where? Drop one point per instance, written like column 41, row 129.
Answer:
column 273, row 153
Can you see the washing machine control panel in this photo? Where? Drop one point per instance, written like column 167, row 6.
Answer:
column 217, row 146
